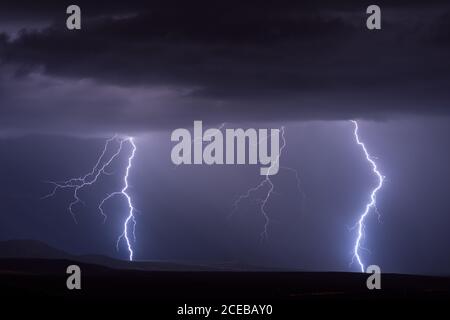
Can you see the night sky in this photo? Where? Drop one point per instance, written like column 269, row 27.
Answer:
column 145, row 69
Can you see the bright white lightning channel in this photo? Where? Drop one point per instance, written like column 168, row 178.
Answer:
column 371, row 204
column 131, row 209
column 100, row 168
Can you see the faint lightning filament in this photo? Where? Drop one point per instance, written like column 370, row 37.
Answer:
column 267, row 182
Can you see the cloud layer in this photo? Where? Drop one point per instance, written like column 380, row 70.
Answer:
column 139, row 66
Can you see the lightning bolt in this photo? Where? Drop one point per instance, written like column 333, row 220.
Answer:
column 99, row 169
column 131, row 209
column 372, row 203
column 267, row 182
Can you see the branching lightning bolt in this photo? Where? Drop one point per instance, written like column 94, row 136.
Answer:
column 267, row 182
column 371, row 204
column 100, row 168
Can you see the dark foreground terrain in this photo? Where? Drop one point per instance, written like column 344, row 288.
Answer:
column 161, row 288
column 44, row 282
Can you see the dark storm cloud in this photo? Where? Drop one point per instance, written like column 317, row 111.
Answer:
column 135, row 65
